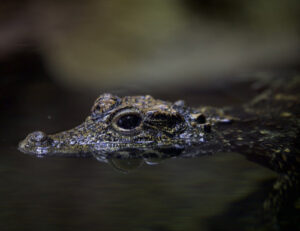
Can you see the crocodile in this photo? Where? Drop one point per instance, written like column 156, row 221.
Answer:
column 265, row 130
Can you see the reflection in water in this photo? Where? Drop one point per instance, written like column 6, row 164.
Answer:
column 180, row 194
column 125, row 166
column 266, row 217
column 129, row 164
column 127, row 160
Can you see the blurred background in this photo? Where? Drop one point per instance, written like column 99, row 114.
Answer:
column 56, row 57
column 145, row 45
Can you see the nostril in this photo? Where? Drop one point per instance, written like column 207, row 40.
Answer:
column 38, row 136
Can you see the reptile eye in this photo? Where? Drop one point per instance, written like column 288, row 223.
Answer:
column 201, row 119
column 127, row 121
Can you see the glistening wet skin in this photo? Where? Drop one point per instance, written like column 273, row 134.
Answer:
column 265, row 129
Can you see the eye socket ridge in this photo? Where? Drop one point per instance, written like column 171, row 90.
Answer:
column 165, row 120
column 127, row 121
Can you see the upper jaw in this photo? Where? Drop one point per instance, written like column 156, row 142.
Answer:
column 39, row 143
column 76, row 141
column 36, row 143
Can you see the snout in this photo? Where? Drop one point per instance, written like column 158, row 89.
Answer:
column 35, row 143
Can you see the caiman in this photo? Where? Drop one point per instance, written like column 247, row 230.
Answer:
column 266, row 130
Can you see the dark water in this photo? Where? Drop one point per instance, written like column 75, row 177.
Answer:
column 76, row 194
column 219, row 192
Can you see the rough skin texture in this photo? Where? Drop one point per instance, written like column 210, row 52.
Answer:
column 266, row 130
column 162, row 124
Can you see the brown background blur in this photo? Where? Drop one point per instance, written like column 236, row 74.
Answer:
column 146, row 45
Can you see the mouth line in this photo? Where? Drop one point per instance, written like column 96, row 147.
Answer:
column 33, row 150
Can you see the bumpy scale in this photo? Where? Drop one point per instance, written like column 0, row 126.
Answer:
column 266, row 129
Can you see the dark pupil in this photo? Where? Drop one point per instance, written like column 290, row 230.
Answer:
column 129, row 121
column 201, row 119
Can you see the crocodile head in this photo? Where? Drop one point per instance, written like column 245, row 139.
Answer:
column 131, row 122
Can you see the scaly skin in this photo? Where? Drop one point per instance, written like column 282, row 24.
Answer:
column 162, row 124
column 266, row 129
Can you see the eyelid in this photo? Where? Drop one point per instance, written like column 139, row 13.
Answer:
column 124, row 111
